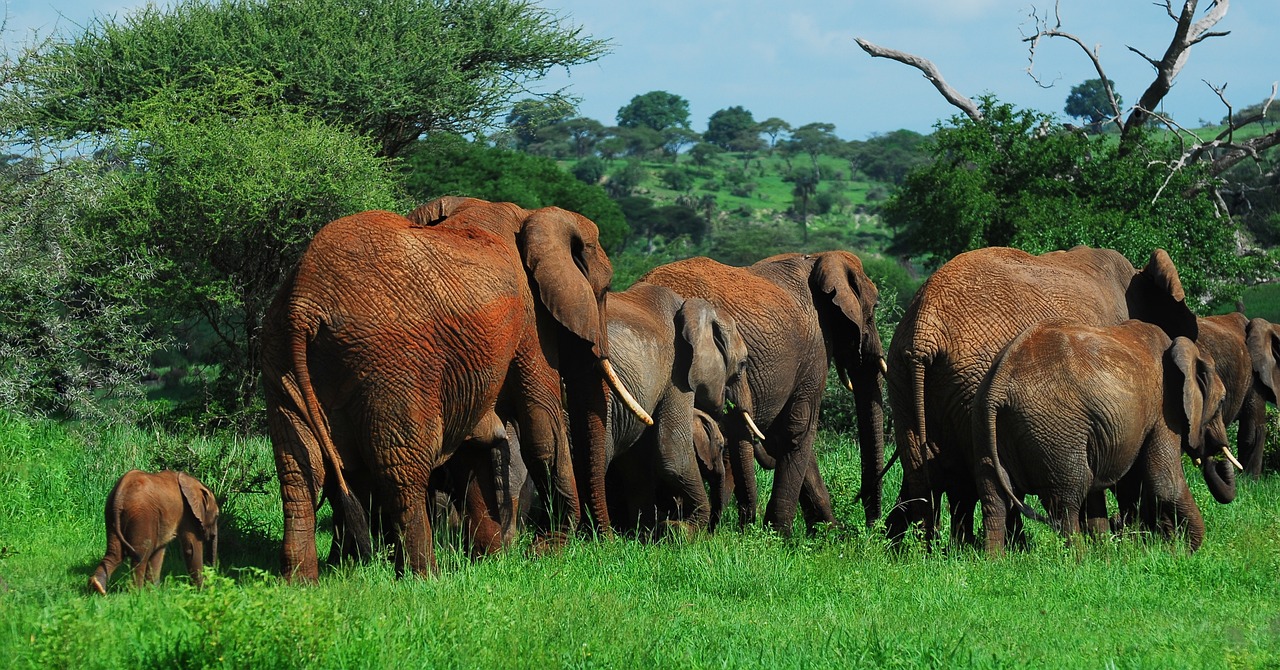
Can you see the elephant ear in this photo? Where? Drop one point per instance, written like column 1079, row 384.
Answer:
column 708, row 444
column 1155, row 295
column 201, row 502
column 708, row 357
column 561, row 250
column 845, row 299
column 1264, row 345
column 431, row 213
column 1186, row 356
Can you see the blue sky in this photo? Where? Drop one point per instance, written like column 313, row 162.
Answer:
column 797, row 60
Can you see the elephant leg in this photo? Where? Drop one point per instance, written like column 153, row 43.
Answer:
column 917, row 503
column 1170, row 498
column 155, row 564
column 815, row 500
column 961, row 503
column 483, row 520
column 544, row 441
column 299, row 560
column 1095, row 521
column 792, row 447
column 193, row 555
column 1252, row 436
column 110, row 561
column 995, row 507
column 413, row 549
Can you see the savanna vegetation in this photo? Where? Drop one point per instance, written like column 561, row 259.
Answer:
column 169, row 165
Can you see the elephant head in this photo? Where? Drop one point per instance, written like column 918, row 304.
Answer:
column 1202, row 393
column 846, row 300
column 1263, row 339
column 717, row 356
column 204, row 507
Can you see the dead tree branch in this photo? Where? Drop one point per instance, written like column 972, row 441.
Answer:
column 1042, row 31
column 930, row 72
column 1188, row 33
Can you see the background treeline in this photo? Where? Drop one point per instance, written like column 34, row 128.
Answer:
column 168, row 166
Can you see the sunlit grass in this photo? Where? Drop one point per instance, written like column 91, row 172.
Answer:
column 753, row 599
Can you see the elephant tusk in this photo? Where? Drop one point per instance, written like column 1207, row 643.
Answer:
column 755, row 430
column 844, row 378
column 623, row 393
column 1198, row 462
column 884, row 366
column 1232, row 458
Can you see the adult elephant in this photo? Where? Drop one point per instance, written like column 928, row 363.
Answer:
column 798, row 313
column 957, row 323
column 1246, row 351
column 1067, row 410
column 673, row 354
column 392, row 339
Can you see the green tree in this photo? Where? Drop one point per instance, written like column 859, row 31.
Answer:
column 773, row 127
column 530, row 118
column 392, row 69
column 72, row 323
column 676, row 138
column 1088, row 100
column 804, row 182
column 655, row 110
column 449, row 165
column 813, row 139
column 222, row 191
column 731, row 128
column 583, row 134
column 1003, row 181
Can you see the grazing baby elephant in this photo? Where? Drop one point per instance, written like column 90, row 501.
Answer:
column 145, row 512
column 1067, row 410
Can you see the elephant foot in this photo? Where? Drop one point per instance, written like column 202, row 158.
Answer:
column 549, row 543
column 98, row 584
column 673, row 531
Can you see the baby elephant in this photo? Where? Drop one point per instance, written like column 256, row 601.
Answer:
column 1068, row 409
column 145, row 512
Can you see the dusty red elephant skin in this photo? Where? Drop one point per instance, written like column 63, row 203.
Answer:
column 407, row 334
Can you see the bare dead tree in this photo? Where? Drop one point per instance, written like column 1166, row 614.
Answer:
column 930, row 72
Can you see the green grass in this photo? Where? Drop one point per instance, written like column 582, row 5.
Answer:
column 752, row 599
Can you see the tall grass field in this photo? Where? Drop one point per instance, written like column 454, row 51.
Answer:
column 839, row 599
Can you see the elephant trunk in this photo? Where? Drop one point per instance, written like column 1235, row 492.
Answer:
column 1220, row 476
column 869, row 402
column 589, row 397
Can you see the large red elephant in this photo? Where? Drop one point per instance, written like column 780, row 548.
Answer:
column 798, row 313
column 395, row 336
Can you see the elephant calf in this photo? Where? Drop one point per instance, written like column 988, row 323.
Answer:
column 145, row 512
column 1067, row 410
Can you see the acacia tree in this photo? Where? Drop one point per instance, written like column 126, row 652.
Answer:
column 392, row 70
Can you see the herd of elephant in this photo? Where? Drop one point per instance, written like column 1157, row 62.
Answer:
column 475, row 350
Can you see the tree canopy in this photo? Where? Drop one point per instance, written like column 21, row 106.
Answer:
column 446, row 164
column 1003, row 181
column 392, row 69
column 732, row 128
column 1090, row 101
column 656, row 110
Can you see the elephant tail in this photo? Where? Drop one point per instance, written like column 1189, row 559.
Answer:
column 988, row 441
column 113, row 520
column 352, row 511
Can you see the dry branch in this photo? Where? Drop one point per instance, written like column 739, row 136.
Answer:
column 930, row 72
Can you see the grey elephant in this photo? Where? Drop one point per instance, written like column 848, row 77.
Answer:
column 145, row 511
column 1246, row 352
column 394, row 337
column 799, row 314
column 957, row 323
column 674, row 355
column 1067, row 410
